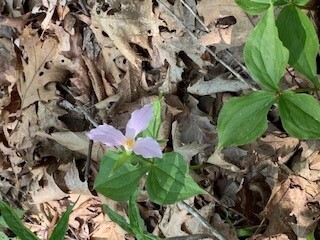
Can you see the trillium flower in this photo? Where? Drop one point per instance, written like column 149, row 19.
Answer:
column 146, row 147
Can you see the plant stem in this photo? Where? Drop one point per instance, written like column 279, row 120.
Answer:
column 298, row 90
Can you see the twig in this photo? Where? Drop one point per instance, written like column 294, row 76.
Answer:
column 195, row 15
column 84, row 112
column 235, row 73
column 194, row 213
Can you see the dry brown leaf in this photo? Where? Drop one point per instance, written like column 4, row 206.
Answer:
column 172, row 220
column 291, row 209
column 49, row 192
column 307, row 164
column 39, row 71
column 187, row 150
column 235, row 35
column 76, row 141
column 217, row 159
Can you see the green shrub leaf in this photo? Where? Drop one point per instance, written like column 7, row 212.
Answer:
column 62, row 225
column 15, row 224
column 265, row 56
column 253, row 6
column 300, row 115
column 243, row 119
column 118, row 185
column 299, row 36
column 168, row 180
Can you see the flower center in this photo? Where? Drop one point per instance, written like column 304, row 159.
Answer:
column 129, row 143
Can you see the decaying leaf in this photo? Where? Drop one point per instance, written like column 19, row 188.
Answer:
column 216, row 85
column 40, row 74
column 292, row 208
column 77, row 142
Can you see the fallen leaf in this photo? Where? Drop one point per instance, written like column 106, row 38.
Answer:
column 39, row 71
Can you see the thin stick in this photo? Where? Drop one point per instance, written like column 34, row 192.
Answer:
column 194, row 213
column 235, row 73
column 195, row 15
column 85, row 113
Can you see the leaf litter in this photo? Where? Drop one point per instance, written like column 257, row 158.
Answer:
column 61, row 63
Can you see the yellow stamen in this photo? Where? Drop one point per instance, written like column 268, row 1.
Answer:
column 129, row 143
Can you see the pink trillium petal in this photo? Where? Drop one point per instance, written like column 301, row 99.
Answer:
column 140, row 120
column 147, row 148
column 108, row 135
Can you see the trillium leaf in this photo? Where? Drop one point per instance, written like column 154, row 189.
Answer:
column 120, row 184
column 253, row 6
column 168, row 180
column 265, row 56
column 243, row 119
column 299, row 36
column 300, row 115
column 300, row 2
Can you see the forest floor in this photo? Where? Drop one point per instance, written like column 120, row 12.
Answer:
column 64, row 65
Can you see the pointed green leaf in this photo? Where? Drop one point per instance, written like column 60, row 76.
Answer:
column 136, row 221
column 243, row 119
column 300, row 2
column 300, row 115
column 122, row 158
column 253, row 6
column 122, row 183
column 62, row 225
column 117, row 218
column 19, row 213
column 15, row 224
column 265, row 56
column 299, row 36
column 168, row 180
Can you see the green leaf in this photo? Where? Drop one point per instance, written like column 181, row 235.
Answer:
column 3, row 236
column 300, row 115
column 15, row 224
column 122, row 158
column 136, row 222
column 122, row 183
column 243, row 232
column 168, row 180
column 243, row 119
column 62, row 225
column 253, row 6
column 117, row 218
column 154, row 125
column 19, row 213
column 299, row 36
column 265, row 56
column 300, row 2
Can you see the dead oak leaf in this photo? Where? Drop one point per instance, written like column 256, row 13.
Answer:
column 39, row 71
column 290, row 209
